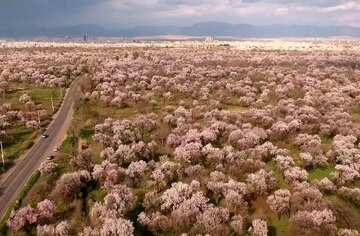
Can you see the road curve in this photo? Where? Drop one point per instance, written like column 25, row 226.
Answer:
column 17, row 176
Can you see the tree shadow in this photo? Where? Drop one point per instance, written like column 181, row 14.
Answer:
column 271, row 230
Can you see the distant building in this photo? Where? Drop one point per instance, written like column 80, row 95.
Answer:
column 85, row 37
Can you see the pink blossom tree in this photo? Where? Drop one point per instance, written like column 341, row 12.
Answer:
column 46, row 208
column 18, row 219
column 32, row 124
column 261, row 182
column 320, row 221
column 116, row 226
column 47, row 167
column 259, row 227
column 295, row 174
column 348, row 232
column 280, row 202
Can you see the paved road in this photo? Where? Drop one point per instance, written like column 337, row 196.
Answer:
column 17, row 176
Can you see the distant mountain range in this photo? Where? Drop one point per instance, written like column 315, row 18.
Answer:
column 201, row 29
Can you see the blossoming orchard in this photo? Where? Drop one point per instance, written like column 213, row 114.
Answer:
column 245, row 138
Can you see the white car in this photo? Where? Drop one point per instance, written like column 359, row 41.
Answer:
column 56, row 149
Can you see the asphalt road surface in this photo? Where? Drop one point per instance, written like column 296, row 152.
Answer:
column 17, row 176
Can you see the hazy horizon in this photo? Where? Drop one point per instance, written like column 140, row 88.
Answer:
column 184, row 25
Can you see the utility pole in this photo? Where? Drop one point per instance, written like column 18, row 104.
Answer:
column 52, row 104
column 2, row 154
column 38, row 113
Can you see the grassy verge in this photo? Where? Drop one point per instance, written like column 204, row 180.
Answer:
column 24, row 139
column 67, row 145
column 17, row 202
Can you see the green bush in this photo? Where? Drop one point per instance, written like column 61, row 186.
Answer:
column 27, row 144
column 96, row 195
column 86, row 132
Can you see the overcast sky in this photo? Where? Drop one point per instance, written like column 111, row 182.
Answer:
column 126, row 13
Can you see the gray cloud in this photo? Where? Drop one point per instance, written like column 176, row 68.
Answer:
column 122, row 13
column 39, row 12
column 183, row 2
column 320, row 3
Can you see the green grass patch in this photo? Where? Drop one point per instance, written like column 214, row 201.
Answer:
column 244, row 233
column 62, row 168
column 67, row 145
column 86, row 132
column 279, row 227
column 96, row 159
column 43, row 95
column 20, row 133
column 40, row 95
column 355, row 115
column 23, row 138
column 147, row 137
column 96, row 149
column 357, row 183
column 96, row 195
column 33, row 179
column 114, row 112
column 327, row 140
column 61, row 207
column 321, row 172
column 294, row 150
column 17, row 203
